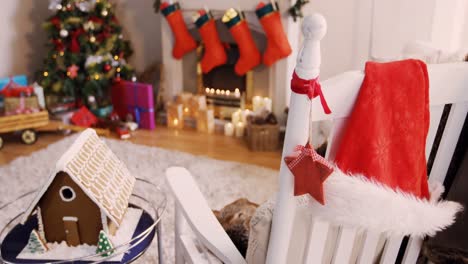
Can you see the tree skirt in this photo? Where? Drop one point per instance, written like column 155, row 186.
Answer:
column 220, row 181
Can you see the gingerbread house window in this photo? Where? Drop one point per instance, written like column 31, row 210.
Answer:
column 67, row 194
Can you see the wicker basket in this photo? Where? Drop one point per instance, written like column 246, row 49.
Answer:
column 263, row 137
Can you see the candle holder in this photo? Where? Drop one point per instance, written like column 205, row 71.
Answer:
column 175, row 116
column 205, row 121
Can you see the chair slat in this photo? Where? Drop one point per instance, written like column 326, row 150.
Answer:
column 369, row 248
column 449, row 141
column 441, row 164
column 412, row 250
column 316, row 244
column 390, row 253
column 345, row 245
column 436, row 114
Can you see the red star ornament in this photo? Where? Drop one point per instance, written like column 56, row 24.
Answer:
column 310, row 171
column 73, row 70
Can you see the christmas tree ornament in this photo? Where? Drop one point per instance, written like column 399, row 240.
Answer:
column 73, row 70
column 214, row 54
column 58, row 44
column 69, row 7
column 88, row 26
column 183, row 41
column 277, row 43
column 107, row 67
column 85, row 5
column 92, row 39
column 249, row 55
column 55, row 5
column 104, row 245
column 55, row 21
column 104, row 13
column 63, row 33
column 36, row 244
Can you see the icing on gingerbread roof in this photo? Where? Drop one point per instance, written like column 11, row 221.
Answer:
column 99, row 173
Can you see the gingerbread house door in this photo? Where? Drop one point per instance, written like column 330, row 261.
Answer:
column 70, row 225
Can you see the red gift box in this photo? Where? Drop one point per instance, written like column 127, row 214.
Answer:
column 135, row 99
column 84, row 118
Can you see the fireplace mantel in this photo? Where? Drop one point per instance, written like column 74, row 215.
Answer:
column 279, row 73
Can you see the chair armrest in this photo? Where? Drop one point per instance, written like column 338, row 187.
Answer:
column 199, row 216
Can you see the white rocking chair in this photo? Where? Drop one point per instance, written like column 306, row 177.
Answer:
column 323, row 243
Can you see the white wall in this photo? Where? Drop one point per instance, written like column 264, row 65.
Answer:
column 22, row 39
column 346, row 46
column 351, row 39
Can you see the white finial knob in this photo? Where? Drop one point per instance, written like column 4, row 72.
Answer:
column 314, row 27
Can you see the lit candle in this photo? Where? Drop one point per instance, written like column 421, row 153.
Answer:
column 236, row 117
column 222, row 92
column 240, row 127
column 228, row 129
column 186, row 109
column 267, row 103
column 175, row 122
column 212, row 90
column 237, row 93
column 218, row 91
column 228, row 93
column 257, row 103
column 207, row 90
column 245, row 114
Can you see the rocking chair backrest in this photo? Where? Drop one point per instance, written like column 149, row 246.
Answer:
column 323, row 242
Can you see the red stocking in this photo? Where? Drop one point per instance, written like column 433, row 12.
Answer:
column 278, row 45
column 215, row 54
column 184, row 42
column 249, row 54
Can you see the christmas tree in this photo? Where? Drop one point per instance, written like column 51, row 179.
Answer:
column 87, row 52
column 104, row 244
column 35, row 243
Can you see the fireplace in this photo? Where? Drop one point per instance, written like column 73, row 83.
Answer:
column 185, row 75
column 224, row 89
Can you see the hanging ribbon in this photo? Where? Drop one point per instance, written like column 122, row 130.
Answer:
column 311, row 88
column 74, row 44
column 307, row 150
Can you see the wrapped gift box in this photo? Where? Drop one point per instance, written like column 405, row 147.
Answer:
column 20, row 80
column 11, row 104
column 135, row 99
column 84, row 118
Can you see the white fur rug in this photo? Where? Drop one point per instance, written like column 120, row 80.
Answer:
column 221, row 182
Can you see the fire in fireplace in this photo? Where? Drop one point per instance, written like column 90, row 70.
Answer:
column 224, row 89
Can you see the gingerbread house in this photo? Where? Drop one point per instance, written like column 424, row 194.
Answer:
column 87, row 192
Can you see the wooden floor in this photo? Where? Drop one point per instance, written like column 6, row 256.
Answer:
column 214, row 146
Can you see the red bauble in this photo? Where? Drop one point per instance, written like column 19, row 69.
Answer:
column 107, row 67
column 55, row 21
